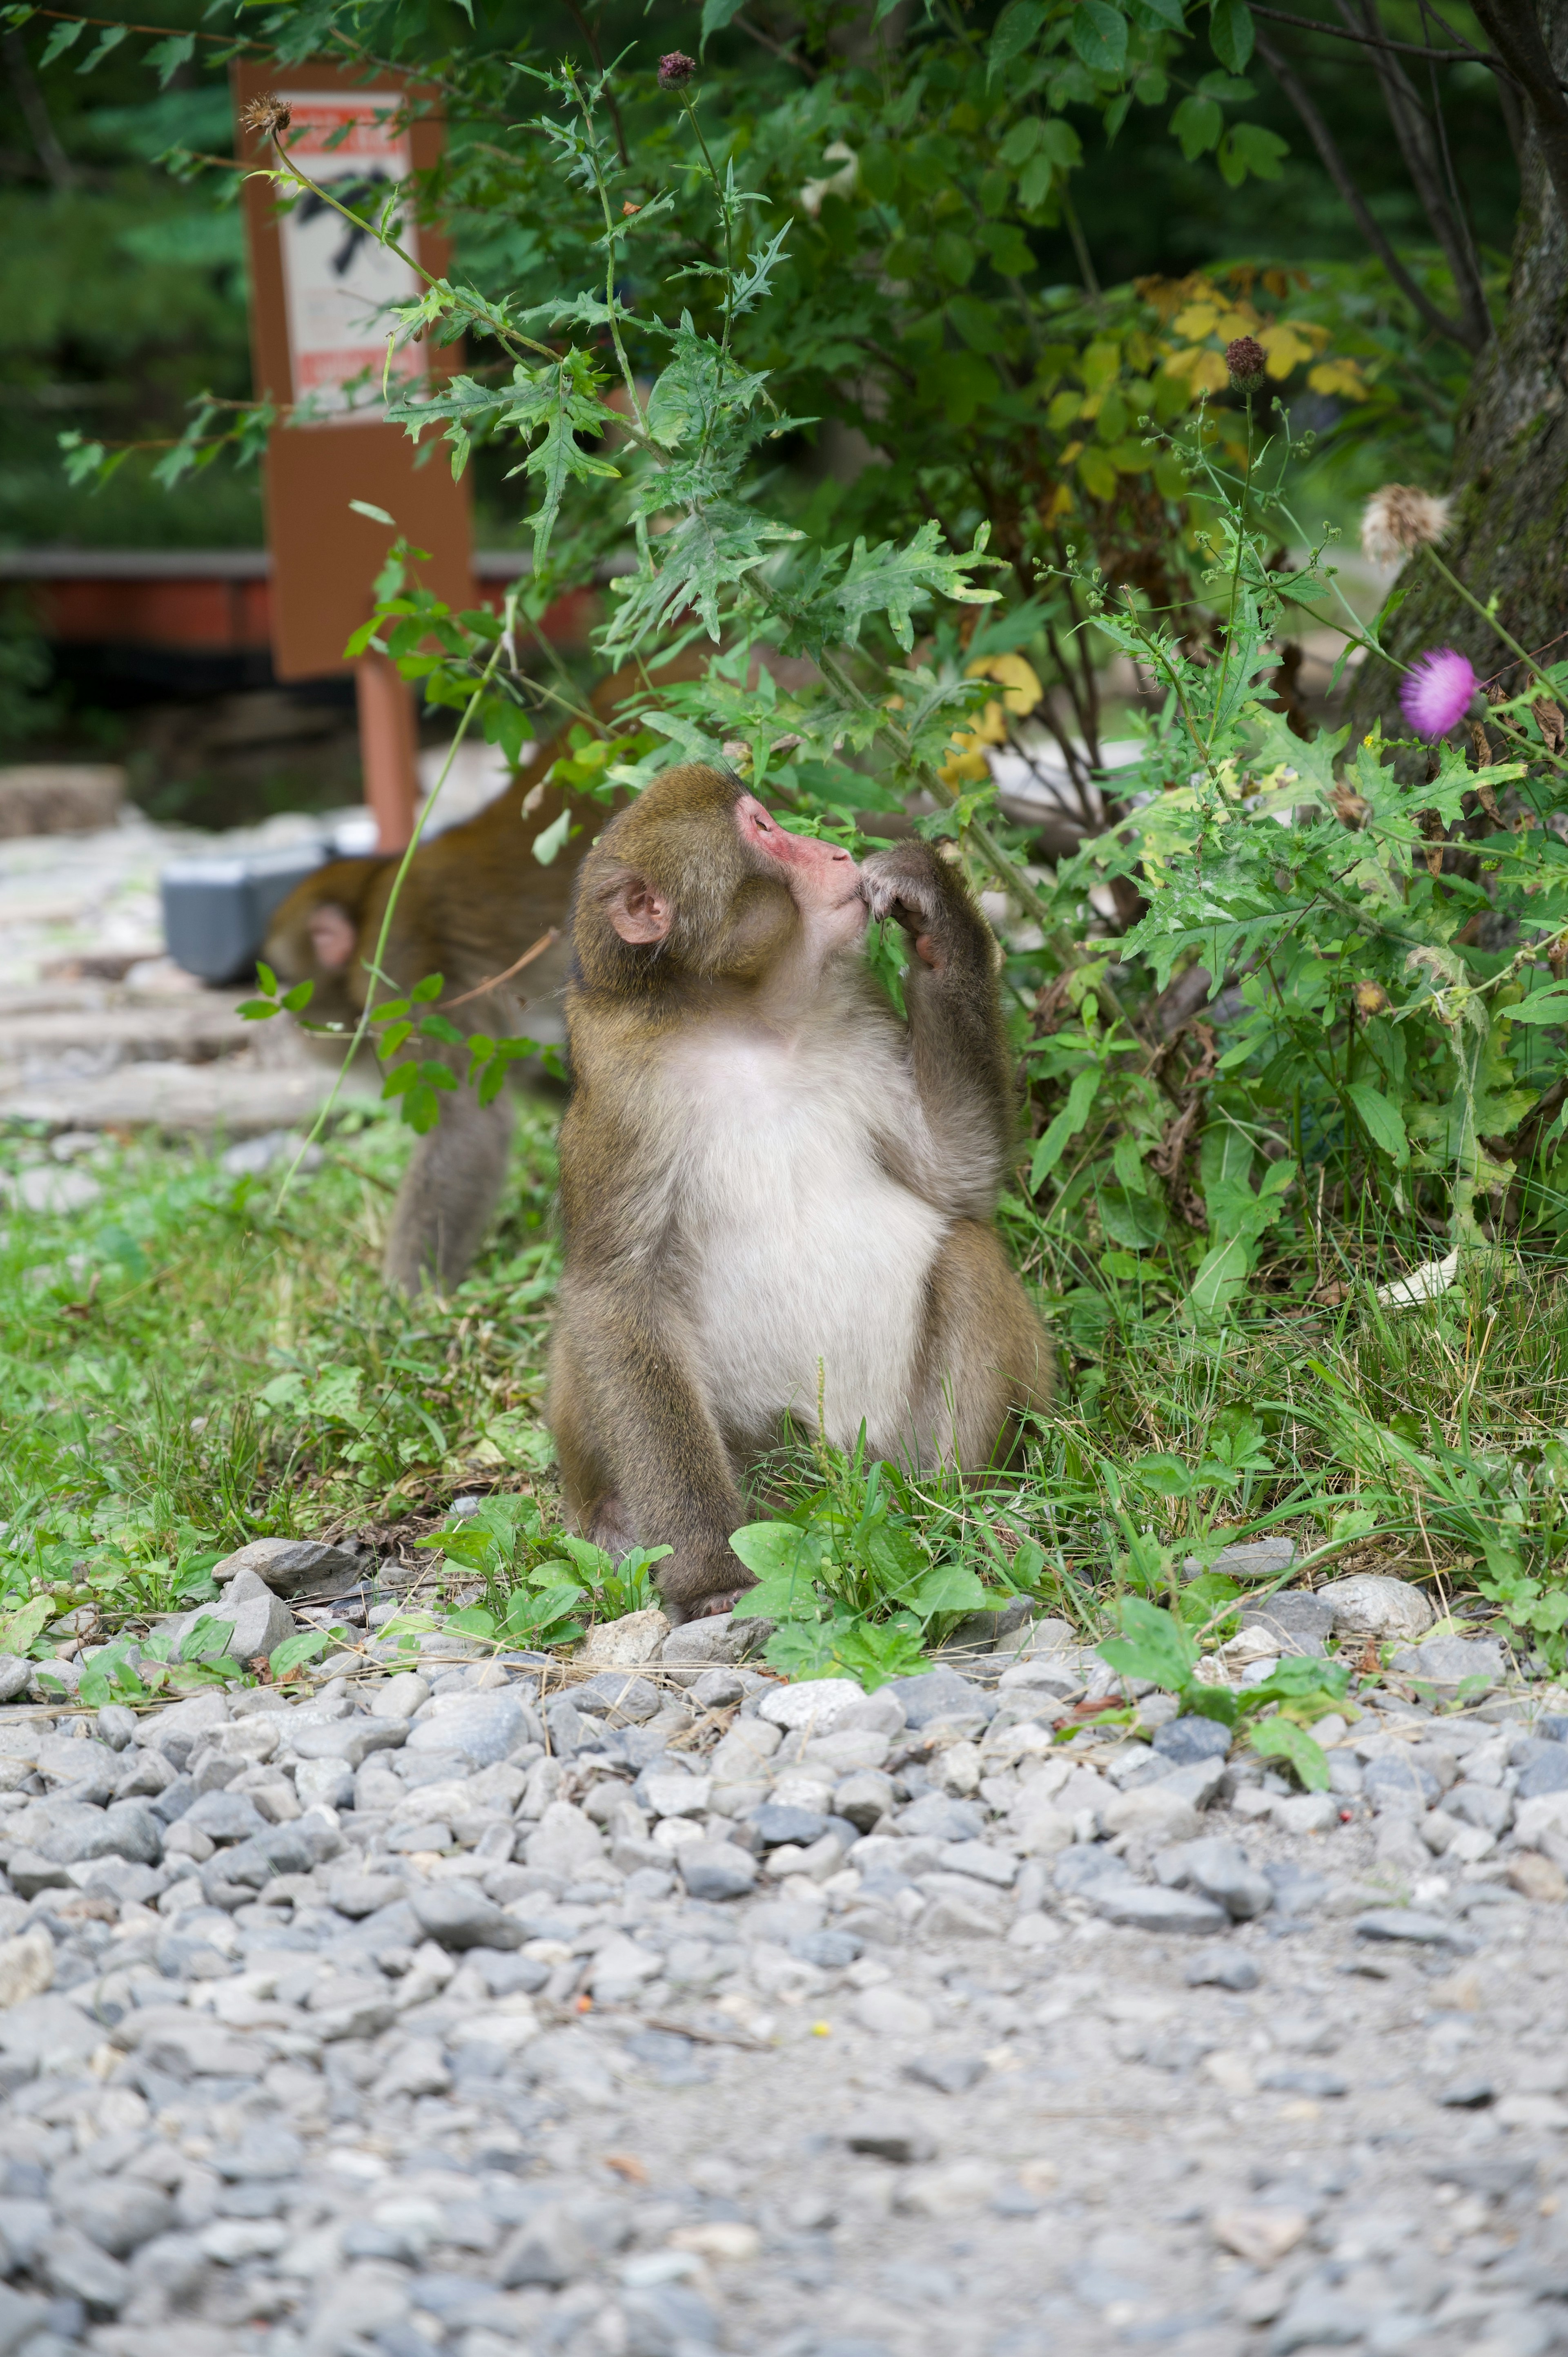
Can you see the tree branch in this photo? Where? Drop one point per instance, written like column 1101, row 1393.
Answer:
column 1334, row 163
column 57, row 164
column 1513, row 30
column 1465, row 56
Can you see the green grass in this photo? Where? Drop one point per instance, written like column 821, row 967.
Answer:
column 186, row 1364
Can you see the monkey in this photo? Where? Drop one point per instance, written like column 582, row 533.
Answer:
column 473, row 901
column 769, row 1183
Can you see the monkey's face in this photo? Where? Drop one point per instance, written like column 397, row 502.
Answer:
column 700, row 877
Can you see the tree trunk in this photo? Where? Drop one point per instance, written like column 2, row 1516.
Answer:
column 1509, row 538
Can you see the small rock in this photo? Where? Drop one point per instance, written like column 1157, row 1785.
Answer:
column 1287, row 2079
column 1295, row 1619
column 624, row 1644
column 401, row 1697
column 116, row 2212
column 715, row 1869
column 938, row 1694
column 1191, row 1737
column 1228, row 1968
column 1153, row 1812
column 1546, row 1772
column 956, row 2185
column 27, row 1966
column 721, row 1639
column 480, row 1727
column 1306, row 1813
column 937, row 1818
column 981, row 1861
column 1154, row 1910
column 1466, row 2095
column 1374, row 1604
column 1401, row 1785
column 248, row 1622
column 817, row 1704
column 888, row 2012
column 1451, row 1660
column 1261, row 2234
column 774, row 1824
column 1532, row 1875
column 459, row 1915
column 1407, row 1923
column 888, row 2138
column 15, row 1677
column 20, row 2318
column 1252, row 1559
column 1219, row 1869
column 617, row 1695
column 565, row 1842
column 293, row 1566
column 950, row 2074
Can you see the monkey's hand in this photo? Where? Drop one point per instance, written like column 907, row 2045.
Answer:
column 911, row 884
column 688, row 1590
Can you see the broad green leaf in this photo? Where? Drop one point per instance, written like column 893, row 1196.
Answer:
column 1017, row 29
column 306, row 1645
column 1231, row 33
column 1197, row 125
column 716, row 15
column 472, row 1622
column 951, row 1588
column 205, row 1637
column 1153, row 1645
column 1098, row 34
column 1280, row 1738
column 1381, row 1118
column 61, row 39
column 1549, row 1005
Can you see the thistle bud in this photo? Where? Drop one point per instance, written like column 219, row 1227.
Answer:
column 1371, row 998
column 1247, row 362
column 269, row 117
column 676, row 69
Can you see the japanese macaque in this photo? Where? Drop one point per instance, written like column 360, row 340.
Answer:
column 771, row 1189
column 474, row 900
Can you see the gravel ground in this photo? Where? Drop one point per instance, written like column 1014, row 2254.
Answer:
column 676, row 2010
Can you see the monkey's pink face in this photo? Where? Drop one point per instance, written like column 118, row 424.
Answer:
column 824, row 881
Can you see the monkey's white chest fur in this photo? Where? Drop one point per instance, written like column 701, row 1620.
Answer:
column 805, row 1250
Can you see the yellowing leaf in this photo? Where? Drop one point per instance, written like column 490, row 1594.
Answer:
column 1284, row 348
column 1197, row 319
column 964, row 769
column 1203, row 370
column 1019, row 679
column 1060, row 504
column 1071, row 453
column 1338, row 376
column 1099, row 363
column 1242, row 321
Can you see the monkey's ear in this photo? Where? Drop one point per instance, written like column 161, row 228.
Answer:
column 639, row 913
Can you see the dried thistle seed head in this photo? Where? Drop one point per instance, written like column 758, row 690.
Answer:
column 268, row 117
column 1247, row 362
column 1371, row 998
column 676, row 69
column 1399, row 520
column 1351, row 809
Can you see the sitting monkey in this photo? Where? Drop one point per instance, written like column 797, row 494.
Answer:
column 764, row 1171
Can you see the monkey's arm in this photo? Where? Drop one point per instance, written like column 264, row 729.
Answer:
column 641, row 1455
column 958, row 1052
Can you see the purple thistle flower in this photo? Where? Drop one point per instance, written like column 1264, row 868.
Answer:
column 1434, row 695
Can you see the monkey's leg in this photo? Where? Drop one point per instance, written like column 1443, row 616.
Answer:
column 449, row 1191
column 987, row 1358
column 641, row 1450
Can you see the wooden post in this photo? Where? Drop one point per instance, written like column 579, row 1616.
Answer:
column 389, row 749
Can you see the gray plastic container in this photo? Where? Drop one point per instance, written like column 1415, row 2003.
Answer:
column 215, row 912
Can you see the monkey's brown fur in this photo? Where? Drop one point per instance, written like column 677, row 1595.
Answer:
column 474, row 899
column 763, row 1170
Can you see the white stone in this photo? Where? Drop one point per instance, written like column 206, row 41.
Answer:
column 890, row 2013
column 1306, row 1813
column 817, row 1704
column 1374, row 1604
column 566, row 1842
column 1153, row 1813
column 624, row 1644
column 27, row 1966
column 1547, row 1814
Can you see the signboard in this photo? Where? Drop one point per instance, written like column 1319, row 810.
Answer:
column 339, row 284
column 319, row 288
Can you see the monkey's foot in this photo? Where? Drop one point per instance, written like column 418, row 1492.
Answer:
column 705, row 1607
